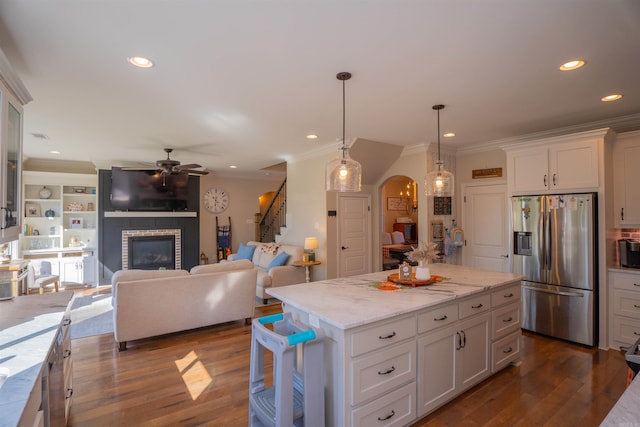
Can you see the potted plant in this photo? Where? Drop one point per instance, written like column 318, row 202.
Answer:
column 424, row 253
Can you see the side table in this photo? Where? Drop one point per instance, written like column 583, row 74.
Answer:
column 306, row 265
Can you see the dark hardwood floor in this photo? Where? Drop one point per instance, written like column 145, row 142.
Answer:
column 201, row 378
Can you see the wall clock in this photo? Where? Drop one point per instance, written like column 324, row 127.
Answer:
column 215, row 200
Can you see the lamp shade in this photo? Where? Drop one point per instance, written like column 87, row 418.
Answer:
column 311, row 243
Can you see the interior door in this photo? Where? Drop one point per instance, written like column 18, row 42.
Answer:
column 485, row 218
column 354, row 237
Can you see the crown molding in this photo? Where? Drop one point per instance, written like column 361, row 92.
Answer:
column 12, row 81
column 620, row 124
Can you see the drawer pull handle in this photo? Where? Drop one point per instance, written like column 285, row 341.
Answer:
column 439, row 319
column 69, row 393
column 508, row 319
column 507, row 351
column 67, row 353
column 509, row 295
column 388, row 371
column 66, row 322
column 393, row 334
column 636, row 333
column 635, row 284
column 388, row 416
column 477, row 306
column 636, row 305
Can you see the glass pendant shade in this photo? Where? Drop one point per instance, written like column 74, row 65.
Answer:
column 343, row 174
column 439, row 183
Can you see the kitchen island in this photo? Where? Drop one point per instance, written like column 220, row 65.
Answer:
column 35, row 351
column 393, row 356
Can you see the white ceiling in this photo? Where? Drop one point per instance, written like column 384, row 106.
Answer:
column 243, row 81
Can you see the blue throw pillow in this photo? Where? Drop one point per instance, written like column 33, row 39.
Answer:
column 245, row 252
column 280, row 259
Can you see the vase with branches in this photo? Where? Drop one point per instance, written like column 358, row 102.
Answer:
column 422, row 254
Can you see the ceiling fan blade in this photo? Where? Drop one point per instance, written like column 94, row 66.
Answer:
column 189, row 166
column 139, row 169
column 195, row 172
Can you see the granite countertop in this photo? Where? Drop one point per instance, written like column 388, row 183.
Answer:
column 353, row 301
column 626, row 411
column 625, row 270
column 29, row 325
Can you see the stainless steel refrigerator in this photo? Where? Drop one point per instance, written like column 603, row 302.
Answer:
column 554, row 247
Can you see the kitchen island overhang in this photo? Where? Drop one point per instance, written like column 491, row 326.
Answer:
column 383, row 348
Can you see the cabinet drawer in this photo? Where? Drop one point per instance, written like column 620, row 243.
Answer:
column 629, row 282
column 627, row 303
column 437, row 317
column 382, row 335
column 474, row 306
column 397, row 408
column 505, row 320
column 505, row 351
column 382, row 371
column 505, row 295
column 626, row 330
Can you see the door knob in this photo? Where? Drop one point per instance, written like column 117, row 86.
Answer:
column 345, row 247
column 505, row 256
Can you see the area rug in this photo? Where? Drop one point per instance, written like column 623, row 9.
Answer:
column 91, row 315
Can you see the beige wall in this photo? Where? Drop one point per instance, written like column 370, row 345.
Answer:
column 243, row 204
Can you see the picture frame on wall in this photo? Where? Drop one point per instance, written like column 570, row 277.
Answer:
column 32, row 209
column 396, row 204
column 76, row 223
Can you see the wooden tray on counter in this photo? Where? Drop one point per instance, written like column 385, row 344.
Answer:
column 395, row 278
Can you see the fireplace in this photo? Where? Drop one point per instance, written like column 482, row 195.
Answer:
column 151, row 249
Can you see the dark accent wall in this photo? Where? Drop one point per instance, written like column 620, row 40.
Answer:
column 110, row 229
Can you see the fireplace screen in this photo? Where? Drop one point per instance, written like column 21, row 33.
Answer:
column 152, row 252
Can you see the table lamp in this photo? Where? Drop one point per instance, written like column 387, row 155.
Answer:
column 311, row 243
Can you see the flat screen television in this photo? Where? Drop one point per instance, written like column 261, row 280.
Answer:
column 142, row 190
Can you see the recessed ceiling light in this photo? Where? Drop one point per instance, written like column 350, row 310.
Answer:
column 233, row 167
column 449, row 134
column 312, row 136
column 54, row 152
column 612, row 97
column 140, row 62
column 572, row 65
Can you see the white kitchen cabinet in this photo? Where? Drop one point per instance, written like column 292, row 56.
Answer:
column 567, row 163
column 13, row 96
column 625, row 300
column 451, row 360
column 626, row 191
column 77, row 268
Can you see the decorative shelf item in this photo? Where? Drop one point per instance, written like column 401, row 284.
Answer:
column 75, row 207
column 44, row 192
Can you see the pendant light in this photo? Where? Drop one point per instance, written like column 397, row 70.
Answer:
column 343, row 174
column 439, row 183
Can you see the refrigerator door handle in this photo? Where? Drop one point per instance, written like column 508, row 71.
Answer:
column 547, row 291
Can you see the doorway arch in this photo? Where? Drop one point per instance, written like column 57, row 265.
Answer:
column 398, row 212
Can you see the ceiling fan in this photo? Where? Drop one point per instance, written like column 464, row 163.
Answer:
column 173, row 167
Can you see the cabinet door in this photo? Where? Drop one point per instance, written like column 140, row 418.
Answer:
column 89, row 269
column 626, row 159
column 573, row 165
column 11, row 168
column 475, row 362
column 71, row 270
column 527, row 170
column 436, row 369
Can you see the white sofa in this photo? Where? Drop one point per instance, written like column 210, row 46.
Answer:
column 150, row 303
column 287, row 274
